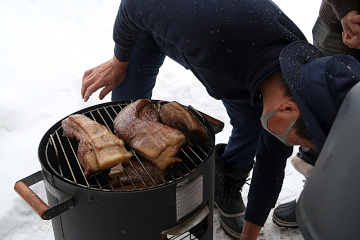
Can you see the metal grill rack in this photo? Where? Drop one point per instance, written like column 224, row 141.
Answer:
column 61, row 155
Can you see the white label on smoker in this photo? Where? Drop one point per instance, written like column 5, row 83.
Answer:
column 189, row 195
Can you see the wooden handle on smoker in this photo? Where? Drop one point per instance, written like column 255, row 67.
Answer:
column 31, row 198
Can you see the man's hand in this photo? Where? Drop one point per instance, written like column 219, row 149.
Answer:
column 351, row 29
column 108, row 75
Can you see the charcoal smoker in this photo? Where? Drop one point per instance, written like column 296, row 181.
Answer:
column 91, row 208
column 328, row 208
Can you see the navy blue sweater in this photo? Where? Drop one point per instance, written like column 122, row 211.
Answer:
column 231, row 46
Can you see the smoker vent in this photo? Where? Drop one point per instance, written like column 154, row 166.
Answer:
column 193, row 234
column 61, row 156
column 185, row 236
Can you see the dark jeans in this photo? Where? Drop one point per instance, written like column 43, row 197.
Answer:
column 242, row 145
column 330, row 42
column 147, row 58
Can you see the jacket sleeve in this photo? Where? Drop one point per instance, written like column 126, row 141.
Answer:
column 342, row 7
column 125, row 32
column 267, row 178
column 172, row 22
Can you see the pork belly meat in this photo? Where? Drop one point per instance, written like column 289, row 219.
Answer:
column 137, row 124
column 139, row 172
column 99, row 148
column 177, row 116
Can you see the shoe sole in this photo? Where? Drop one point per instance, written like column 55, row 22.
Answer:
column 228, row 231
column 281, row 223
column 229, row 215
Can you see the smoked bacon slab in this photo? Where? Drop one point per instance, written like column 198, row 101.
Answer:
column 137, row 124
column 99, row 148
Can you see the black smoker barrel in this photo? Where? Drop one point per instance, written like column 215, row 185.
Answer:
column 328, row 207
column 92, row 208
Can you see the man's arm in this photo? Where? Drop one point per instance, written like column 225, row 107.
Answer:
column 266, row 181
column 250, row 231
column 126, row 32
column 111, row 74
column 342, row 7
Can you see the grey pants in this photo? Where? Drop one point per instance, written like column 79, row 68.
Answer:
column 330, row 42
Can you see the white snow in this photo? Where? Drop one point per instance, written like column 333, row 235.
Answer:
column 45, row 47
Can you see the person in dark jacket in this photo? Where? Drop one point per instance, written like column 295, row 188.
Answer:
column 317, row 86
column 336, row 31
column 233, row 48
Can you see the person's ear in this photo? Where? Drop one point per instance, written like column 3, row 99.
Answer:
column 288, row 107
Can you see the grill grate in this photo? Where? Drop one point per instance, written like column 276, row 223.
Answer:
column 61, row 155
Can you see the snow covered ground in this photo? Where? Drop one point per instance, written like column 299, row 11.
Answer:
column 45, row 47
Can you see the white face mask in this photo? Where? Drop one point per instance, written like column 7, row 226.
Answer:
column 282, row 137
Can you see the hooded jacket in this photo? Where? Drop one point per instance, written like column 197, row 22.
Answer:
column 231, row 47
column 318, row 84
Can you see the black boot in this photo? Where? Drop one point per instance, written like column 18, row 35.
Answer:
column 285, row 214
column 228, row 200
